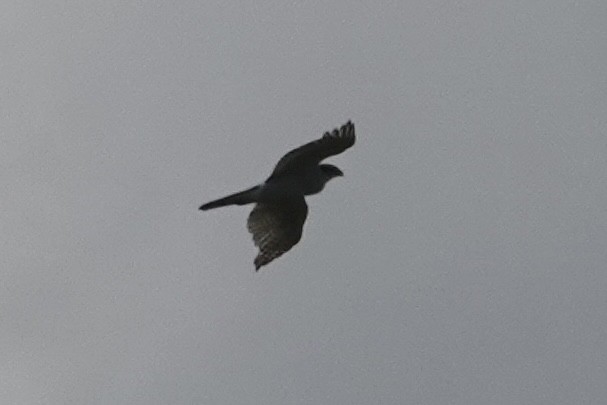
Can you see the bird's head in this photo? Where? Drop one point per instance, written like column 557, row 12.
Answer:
column 330, row 171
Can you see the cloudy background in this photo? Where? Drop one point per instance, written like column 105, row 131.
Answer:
column 461, row 260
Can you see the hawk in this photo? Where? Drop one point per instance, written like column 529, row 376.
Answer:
column 280, row 211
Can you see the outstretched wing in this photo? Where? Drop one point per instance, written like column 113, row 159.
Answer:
column 312, row 153
column 276, row 227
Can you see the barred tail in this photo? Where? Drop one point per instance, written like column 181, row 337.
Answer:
column 241, row 198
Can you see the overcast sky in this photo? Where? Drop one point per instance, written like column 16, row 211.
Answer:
column 461, row 260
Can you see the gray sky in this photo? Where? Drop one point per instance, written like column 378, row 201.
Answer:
column 461, row 260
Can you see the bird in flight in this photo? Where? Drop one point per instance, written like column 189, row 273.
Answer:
column 280, row 211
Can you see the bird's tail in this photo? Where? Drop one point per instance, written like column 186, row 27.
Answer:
column 241, row 198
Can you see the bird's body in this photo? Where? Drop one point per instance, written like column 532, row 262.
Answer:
column 277, row 219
